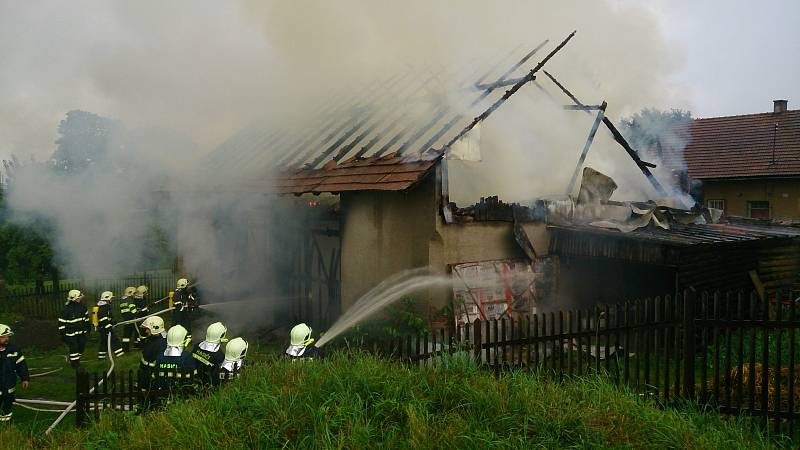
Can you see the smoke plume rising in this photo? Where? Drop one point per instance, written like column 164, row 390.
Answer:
column 184, row 76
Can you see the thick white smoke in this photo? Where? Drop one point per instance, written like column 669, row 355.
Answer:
column 205, row 69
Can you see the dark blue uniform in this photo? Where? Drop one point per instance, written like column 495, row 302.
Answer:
column 74, row 325
column 152, row 347
column 185, row 302
column 12, row 365
column 105, row 326
column 207, row 361
column 174, row 371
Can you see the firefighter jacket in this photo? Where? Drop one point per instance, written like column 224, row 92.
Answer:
column 174, row 369
column 127, row 308
column 185, row 299
column 151, row 348
column 74, row 320
column 207, row 356
column 105, row 322
column 12, row 365
column 228, row 370
column 140, row 306
column 303, row 352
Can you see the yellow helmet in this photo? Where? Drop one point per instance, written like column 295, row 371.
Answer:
column 5, row 330
column 176, row 336
column 300, row 335
column 236, row 349
column 141, row 291
column 75, row 295
column 107, row 296
column 130, row 291
column 215, row 333
column 182, row 283
column 153, row 323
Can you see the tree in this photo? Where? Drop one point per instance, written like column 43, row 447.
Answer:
column 651, row 130
column 86, row 139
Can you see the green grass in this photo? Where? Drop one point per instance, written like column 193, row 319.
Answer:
column 357, row 401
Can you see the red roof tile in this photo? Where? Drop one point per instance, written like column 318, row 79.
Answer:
column 386, row 173
column 754, row 145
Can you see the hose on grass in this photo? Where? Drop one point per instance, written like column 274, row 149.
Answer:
column 54, row 370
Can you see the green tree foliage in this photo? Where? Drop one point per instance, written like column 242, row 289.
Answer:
column 651, row 129
column 85, row 139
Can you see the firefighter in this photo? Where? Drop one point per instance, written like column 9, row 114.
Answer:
column 153, row 344
column 105, row 325
column 185, row 302
column 74, row 325
column 300, row 343
column 231, row 367
column 142, row 302
column 128, row 311
column 208, row 354
column 175, row 366
column 12, row 365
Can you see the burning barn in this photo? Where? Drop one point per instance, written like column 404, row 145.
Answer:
column 365, row 193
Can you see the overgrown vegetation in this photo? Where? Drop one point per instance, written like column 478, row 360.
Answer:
column 357, row 401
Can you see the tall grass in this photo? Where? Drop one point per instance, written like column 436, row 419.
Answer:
column 357, row 401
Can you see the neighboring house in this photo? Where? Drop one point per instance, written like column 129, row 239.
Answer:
column 749, row 165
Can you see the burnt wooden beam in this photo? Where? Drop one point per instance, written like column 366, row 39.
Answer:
column 582, row 107
column 527, row 78
column 644, row 166
column 600, row 114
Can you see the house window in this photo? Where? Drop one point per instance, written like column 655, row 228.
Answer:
column 759, row 209
column 717, row 204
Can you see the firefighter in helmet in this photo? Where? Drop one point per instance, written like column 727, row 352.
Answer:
column 208, row 354
column 231, row 366
column 12, row 365
column 301, row 343
column 128, row 311
column 105, row 326
column 153, row 344
column 140, row 299
column 175, row 366
column 185, row 303
column 74, row 325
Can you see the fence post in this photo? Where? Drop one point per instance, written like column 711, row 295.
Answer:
column 688, row 343
column 476, row 340
column 81, row 397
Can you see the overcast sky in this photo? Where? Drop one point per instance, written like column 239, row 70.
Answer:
column 740, row 54
column 734, row 57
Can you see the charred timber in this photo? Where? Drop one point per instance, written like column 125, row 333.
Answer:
column 529, row 77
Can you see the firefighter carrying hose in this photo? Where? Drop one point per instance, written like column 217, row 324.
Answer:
column 140, row 298
column 74, row 325
column 301, row 344
column 12, row 365
column 231, row 366
column 105, row 325
column 208, row 354
column 185, row 303
column 128, row 311
column 153, row 344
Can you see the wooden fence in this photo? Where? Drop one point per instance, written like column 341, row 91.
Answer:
column 47, row 303
column 731, row 351
column 120, row 391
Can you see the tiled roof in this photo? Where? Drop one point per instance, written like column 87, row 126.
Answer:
column 387, row 173
column 386, row 137
column 754, row 145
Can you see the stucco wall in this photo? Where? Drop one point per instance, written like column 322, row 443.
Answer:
column 783, row 196
column 384, row 233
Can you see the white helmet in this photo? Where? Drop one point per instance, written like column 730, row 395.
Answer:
column 215, row 333
column 75, row 295
column 176, row 336
column 153, row 323
column 5, row 330
column 236, row 349
column 300, row 335
column 141, row 291
column 130, row 291
column 106, row 296
column 182, row 283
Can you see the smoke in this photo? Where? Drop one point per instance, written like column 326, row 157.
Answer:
column 184, row 76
